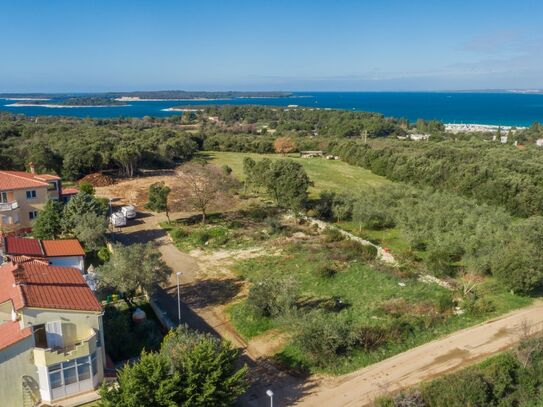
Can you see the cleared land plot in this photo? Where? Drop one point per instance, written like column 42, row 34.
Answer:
column 326, row 174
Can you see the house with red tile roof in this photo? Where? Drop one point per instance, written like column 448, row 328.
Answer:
column 60, row 252
column 51, row 333
column 22, row 196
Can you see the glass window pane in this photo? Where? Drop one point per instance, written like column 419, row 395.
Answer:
column 55, row 379
column 70, row 376
column 54, row 367
column 69, row 363
column 82, row 360
column 83, row 372
column 94, row 365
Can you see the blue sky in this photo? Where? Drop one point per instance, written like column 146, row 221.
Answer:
column 102, row 45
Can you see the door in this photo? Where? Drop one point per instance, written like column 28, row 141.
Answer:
column 53, row 332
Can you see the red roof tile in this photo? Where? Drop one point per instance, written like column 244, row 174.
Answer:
column 70, row 191
column 22, row 246
column 62, row 248
column 40, row 286
column 11, row 332
column 20, row 179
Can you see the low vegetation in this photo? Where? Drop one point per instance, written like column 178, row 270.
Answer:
column 512, row 379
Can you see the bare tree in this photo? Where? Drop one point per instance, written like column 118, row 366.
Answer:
column 206, row 184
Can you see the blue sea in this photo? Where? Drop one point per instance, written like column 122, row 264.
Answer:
column 512, row 109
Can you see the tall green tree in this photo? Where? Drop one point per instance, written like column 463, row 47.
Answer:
column 91, row 230
column 48, row 225
column 149, row 382
column 158, row 198
column 76, row 207
column 207, row 368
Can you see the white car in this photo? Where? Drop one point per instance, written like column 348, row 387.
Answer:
column 117, row 219
column 129, row 211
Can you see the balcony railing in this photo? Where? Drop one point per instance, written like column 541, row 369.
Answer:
column 48, row 356
column 8, row 206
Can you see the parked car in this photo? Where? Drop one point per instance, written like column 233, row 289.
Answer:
column 117, row 219
column 129, row 211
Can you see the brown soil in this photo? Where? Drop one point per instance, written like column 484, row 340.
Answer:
column 97, row 180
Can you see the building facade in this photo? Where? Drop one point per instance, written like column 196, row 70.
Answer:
column 51, row 334
column 22, row 197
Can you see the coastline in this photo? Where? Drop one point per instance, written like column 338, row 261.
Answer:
column 53, row 106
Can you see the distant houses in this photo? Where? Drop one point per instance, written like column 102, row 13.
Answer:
column 419, row 137
column 539, row 142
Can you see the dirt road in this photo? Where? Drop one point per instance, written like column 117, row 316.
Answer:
column 426, row 362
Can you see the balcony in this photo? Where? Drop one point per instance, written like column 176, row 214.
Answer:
column 8, row 206
column 49, row 356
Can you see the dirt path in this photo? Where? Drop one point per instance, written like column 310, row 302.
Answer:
column 427, row 361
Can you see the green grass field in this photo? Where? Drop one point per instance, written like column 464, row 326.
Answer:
column 326, row 174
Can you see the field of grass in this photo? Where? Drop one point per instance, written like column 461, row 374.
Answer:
column 326, row 174
column 367, row 289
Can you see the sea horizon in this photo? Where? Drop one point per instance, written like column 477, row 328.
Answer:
column 488, row 107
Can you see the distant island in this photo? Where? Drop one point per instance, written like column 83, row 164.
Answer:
column 84, row 101
column 191, row 95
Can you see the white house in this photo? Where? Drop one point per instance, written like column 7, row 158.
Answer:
column 419, row 137
column 539, row 142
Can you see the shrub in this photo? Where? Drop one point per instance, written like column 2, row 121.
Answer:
column 272, row 296
column 479, row 305
column 324, row 271
column 178, row 234
column 409, row 399
column 333, row 235
column 103, row 254
column 324, row 336
column 467, row 388
column 274, row 225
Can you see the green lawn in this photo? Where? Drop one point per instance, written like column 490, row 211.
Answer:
column 326, row 174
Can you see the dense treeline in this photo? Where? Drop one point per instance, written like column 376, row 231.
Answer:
column 74, row 148
column 309, row 122
column 491, row 174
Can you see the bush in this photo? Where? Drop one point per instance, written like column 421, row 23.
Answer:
column 178, row 234
column 409, row 399
column 272, row 296
column 332, row 235
column 103, row 254
column 467, row 388
column 274, row 224
column 324, row 337
column 324, row 271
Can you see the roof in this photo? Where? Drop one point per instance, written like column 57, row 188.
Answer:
column 22, row 246
column 37, row 285
column 62, row 248
column 11, row 332
column 20, row 179
column 70, row 191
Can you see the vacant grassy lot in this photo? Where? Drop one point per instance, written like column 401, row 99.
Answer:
column 326, row 174
column 372, row 295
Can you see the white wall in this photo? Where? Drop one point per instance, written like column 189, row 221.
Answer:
column 16, row 362
column 69, row 261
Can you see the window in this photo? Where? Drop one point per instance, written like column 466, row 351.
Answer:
column 31, row 194
column 3, row 197
column 55, row 378
column 32, row 215
column 72, row 371
column 52, row 186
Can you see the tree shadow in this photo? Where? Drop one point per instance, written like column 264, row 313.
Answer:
column 138, row 236
column 208, row 292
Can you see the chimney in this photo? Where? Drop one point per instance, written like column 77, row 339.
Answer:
column 32, row 168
